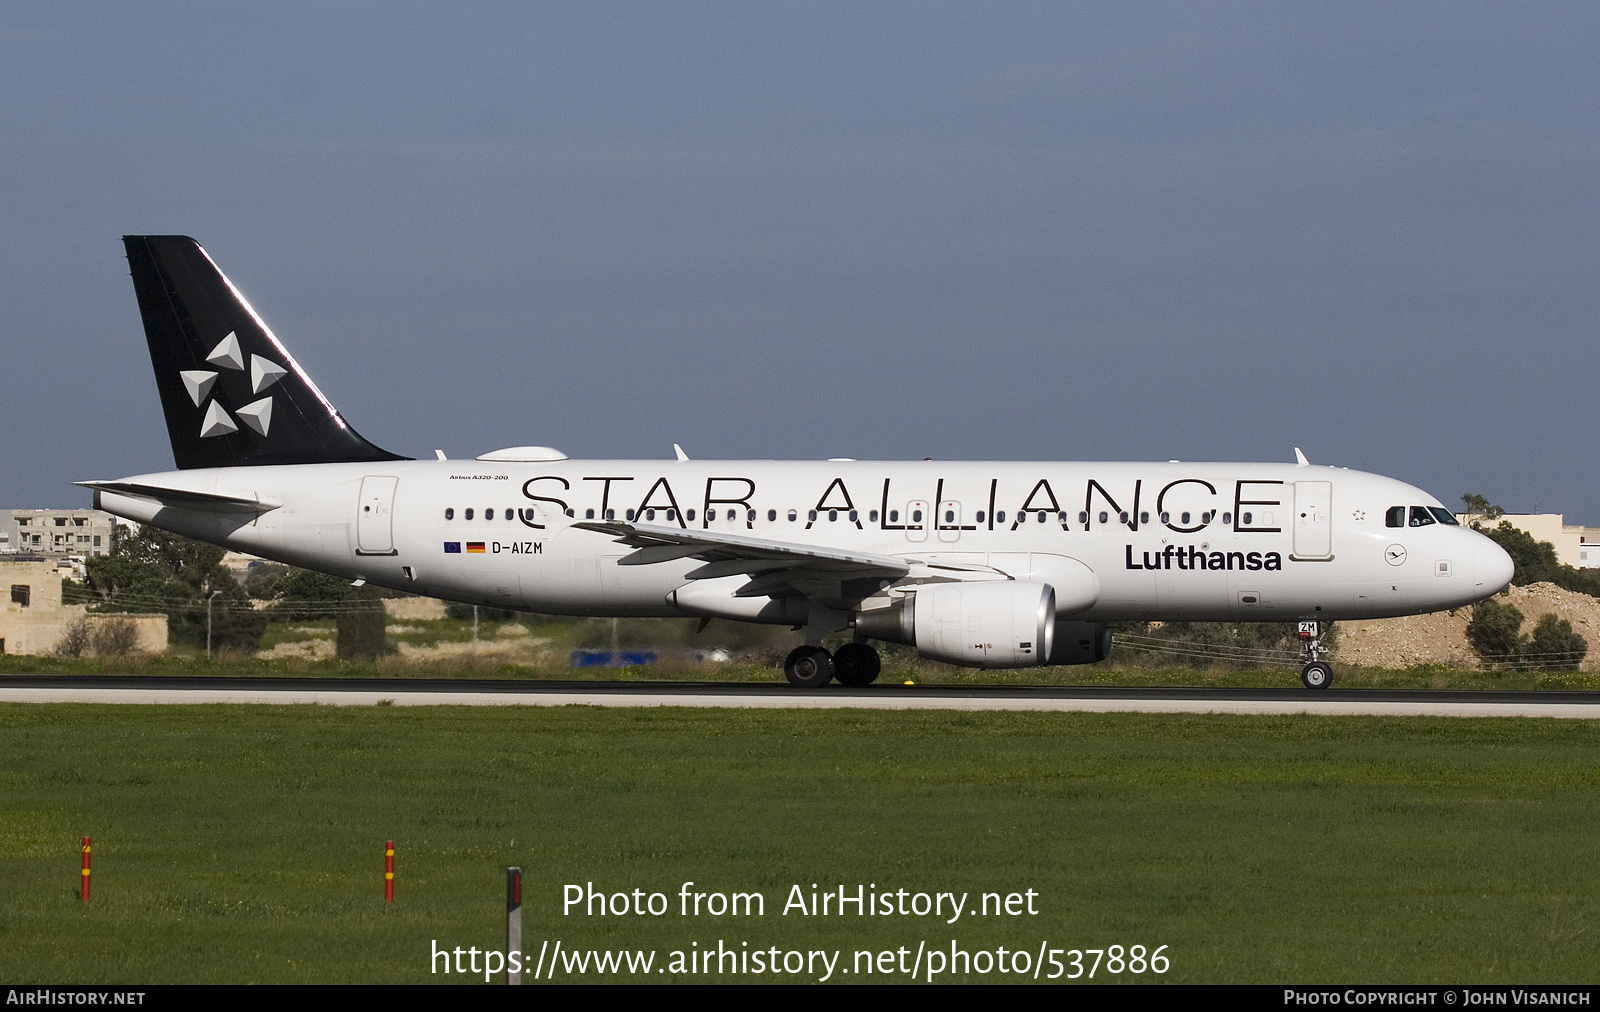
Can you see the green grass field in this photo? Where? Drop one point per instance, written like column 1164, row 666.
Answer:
column 238, row 843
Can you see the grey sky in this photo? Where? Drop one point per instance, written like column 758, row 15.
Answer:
column 1042, row 232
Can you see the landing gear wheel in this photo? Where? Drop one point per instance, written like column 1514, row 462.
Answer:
column 856, row 664
column 808, row 667
column 1317, row 675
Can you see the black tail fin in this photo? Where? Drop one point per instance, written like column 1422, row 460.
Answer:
column 231, row 392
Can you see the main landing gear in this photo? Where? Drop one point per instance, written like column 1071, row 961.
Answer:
column 811, row 667
column 1316, row 673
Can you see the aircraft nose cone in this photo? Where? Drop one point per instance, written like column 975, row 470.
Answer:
column 1492, row 566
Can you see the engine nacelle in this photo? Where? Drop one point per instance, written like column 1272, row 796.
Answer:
column 1080, row 642
column 989, row 624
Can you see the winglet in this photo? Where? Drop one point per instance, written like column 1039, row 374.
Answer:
column 440, row 454
column 1300, row 458
column 679, row 451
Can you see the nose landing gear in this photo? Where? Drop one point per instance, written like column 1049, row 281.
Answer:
column 1316, row 673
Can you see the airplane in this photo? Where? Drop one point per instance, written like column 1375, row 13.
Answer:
column 977, row 563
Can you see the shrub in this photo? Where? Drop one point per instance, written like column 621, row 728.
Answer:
column 1495, row 632
column 74, row 639
column 1554, row 646
column 114, row 637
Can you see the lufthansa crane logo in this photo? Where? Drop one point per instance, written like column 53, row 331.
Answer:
column 257, row 415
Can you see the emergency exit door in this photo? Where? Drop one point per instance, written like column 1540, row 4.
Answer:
column 375, row 516
column 1313, row 520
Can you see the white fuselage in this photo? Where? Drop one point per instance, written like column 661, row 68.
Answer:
column 1171, row 541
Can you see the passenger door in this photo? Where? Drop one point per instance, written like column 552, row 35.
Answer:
column 375, row 516
column 1313, row 520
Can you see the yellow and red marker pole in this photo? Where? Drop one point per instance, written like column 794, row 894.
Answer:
column 84, row 888
column 388, row 871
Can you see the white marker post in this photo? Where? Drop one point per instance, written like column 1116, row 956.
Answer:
column 513, row 923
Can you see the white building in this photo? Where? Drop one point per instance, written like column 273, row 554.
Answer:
column 55, row 533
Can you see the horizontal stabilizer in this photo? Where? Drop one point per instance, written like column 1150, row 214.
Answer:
column 180, row 498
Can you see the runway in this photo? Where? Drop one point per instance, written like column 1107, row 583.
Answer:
column 146, row 690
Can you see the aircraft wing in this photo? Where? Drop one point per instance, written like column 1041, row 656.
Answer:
column 834, row 576
column 663, row 544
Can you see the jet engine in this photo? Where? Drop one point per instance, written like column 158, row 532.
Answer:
column 990, row 624
column 1080, row 642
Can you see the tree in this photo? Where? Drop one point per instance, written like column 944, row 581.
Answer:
column 1495, row 632
column 361, row 626
column 158, row 571
column 1475, row 505
column 301, row 594
column 1554, row 646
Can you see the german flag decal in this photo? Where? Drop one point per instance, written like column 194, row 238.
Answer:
column 474, row 547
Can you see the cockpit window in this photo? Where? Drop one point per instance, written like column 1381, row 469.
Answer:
column 1420, row 517
column 1395, row 517
column 1444, row 516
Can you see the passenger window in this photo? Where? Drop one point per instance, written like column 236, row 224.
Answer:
column 1184, row 519
column 690, row 514
column 588, row 514
column 1420, row 517
column 916, row 516
column 793, row 516
column 873, row 516
column 1396, row 517
column 811, row 515
column 732, row 515
column 1246, row 518
column 488, row 514
column 772, row 515
column 1083, row 518
column 853, row 516
column 510, row 515
column 649, row 514
column 468, row 513
column 610, row 514
column 1104, row 516
column 1166, row 517
column 750, row 516
column 950, row 516
column 1000, row 517
column 1444, row 516
column 450, row 513
column 628, row 515
column 1121, row 517
column 833, row 515
column 670, row 515
column 1227, row 518
column 978, row 517
column 1144, row 517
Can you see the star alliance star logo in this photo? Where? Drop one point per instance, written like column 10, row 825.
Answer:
column 257, row 415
